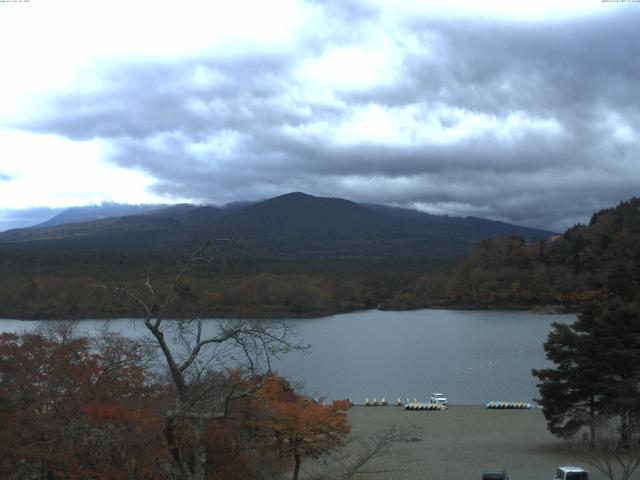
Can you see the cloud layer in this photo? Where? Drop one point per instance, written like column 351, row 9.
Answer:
column 533, row 122
column 19, row 218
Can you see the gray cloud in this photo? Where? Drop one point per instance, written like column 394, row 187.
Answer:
column 20, row 218
column 531, row 122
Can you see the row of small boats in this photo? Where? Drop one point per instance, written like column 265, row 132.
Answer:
column 416, row 405
column 407, row 404
column 425, row 406
column 383, row 402
column 508, row 405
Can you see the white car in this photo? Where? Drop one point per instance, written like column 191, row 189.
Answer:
column 438, row 398
column 571, row 473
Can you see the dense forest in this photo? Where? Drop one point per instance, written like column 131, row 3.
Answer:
column 72, row 287
column 585, row 263
column 557, row 273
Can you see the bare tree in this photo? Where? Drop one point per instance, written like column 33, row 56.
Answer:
column 195, row 353
column 60, row 331
column 359, row 456
column 613, row 458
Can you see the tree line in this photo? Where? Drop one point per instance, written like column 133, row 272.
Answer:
column 258, row 288
column 584, row 264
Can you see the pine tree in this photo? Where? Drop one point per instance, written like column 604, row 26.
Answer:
column 571, row 393
column 614, row 326
column 597, row 370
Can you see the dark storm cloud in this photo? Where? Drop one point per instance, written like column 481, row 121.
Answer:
column 195, row 97
column 529, row 122
column 539, row 66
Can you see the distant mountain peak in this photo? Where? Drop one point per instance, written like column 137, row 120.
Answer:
column 300, row 214
column 296, row 195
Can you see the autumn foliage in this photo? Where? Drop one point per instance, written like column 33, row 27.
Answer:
column 82, row 408
column 73, row 409
column 300, row 426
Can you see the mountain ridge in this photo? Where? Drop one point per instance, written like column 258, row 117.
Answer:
column 295, row 223
column 96, row 212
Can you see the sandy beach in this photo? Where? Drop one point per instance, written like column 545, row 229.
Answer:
column 459, row 443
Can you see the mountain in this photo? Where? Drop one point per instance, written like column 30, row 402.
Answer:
column 95, row 212
column 444, row 225
column 301, row 215
column 295, row 224
column 300, row 255
column 207, row 215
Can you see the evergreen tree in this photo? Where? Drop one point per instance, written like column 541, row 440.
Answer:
column 572, row 392
column 614, row 327
column 597, row 370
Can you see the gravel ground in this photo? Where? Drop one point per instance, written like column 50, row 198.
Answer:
column 459, row 443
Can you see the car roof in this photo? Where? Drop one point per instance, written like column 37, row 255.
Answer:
column 494, row 470
column 572, row 469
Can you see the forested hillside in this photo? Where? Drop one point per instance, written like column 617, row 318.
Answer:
column 559, row 273
column 65, row 287
column 584, row 263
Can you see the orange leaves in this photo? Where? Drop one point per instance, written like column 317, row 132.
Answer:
column 83, row 408
column 78, row 406
column 100, row 413
column 341, row 405
column 300, row 425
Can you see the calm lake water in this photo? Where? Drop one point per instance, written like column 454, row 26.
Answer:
column 470, row 356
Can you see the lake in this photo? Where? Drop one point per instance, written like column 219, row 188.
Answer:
column 471, row 356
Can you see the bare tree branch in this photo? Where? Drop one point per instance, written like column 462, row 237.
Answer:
column 194, row 353
column 615, row 460
column 358, row 455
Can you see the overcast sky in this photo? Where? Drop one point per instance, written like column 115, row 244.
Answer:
column 527, row 111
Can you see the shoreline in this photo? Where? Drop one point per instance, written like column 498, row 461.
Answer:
column 93, row 315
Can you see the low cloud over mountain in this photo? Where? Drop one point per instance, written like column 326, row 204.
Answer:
column 529, row 121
